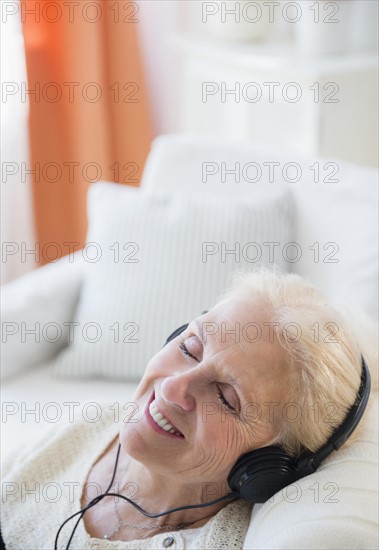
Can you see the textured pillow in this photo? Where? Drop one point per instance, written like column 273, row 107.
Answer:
column 336, row 216
column 155, row 262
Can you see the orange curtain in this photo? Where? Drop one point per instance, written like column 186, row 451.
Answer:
column 89, row 111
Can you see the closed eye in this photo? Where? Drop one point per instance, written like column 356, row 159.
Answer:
column 184, row 349
column 220, row 395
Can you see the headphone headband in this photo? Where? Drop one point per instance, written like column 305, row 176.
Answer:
column 309, row 462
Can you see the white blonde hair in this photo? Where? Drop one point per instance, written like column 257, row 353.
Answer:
column 324, row 371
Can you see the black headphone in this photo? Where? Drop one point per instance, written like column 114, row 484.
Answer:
column 261, row 473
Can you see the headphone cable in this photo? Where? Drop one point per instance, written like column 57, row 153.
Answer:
column 97, row 499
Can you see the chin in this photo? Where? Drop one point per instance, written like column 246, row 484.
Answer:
column 133, row 443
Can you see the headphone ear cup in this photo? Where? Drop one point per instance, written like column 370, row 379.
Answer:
column 176, row 333
column 258, row 475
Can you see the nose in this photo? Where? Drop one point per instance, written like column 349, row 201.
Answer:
column 178, row 391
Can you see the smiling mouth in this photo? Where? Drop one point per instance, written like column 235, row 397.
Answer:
column 161, row 421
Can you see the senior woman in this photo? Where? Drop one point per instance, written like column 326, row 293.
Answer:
column 271, row 339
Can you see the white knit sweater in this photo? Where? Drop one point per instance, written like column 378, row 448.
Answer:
column 42, row 486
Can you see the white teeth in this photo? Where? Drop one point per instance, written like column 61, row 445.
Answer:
column 161, row 420
column 163, row 423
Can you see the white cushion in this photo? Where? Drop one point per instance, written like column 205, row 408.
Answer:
column 35, row 312
column 336, row 507
column 343, row 211
column 344, row 214
column 162, row 281
column 33, row 402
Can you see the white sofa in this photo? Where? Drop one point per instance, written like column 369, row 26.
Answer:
column 342, row 212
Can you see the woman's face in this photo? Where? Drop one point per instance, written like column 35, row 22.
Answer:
column 217, row 383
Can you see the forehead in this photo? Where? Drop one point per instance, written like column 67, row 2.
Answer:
column 234, row 323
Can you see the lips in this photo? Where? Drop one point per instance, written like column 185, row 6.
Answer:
column 159, row 421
